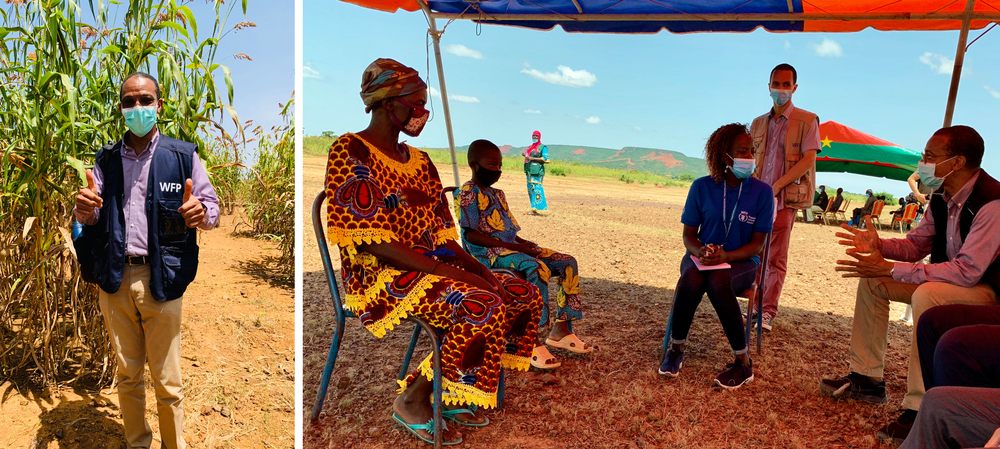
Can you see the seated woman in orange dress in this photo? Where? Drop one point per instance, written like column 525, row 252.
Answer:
column 399, row 253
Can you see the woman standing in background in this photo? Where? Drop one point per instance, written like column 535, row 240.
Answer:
column 535, row 158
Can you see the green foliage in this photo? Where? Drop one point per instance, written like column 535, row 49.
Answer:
column 328, row 135
column 317, row 146
column 270, row 193
column 889, row 199
column 686, row 177
column 59, row 89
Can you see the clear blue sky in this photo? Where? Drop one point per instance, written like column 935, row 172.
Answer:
column 663, row 91
column 269, row 79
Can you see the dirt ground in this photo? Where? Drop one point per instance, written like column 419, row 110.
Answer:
column 628, row 243
column 238, row 349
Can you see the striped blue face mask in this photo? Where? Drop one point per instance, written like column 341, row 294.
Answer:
column 140, row 119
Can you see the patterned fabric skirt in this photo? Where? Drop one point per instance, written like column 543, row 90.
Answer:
column 536, row 193
column 481, row 332
column 538, row 271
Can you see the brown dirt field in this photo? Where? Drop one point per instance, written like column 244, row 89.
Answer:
column 628, row 242
column 238, row 349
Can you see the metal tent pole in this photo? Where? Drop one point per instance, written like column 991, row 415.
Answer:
column 956, row 73
column 436, row 38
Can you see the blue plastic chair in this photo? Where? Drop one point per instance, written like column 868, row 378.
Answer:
column 757, row 301
column 338, row 333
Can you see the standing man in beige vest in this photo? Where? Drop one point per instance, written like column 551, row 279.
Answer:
column 785, row 141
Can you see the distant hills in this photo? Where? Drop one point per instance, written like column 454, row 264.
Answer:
column 652, row 160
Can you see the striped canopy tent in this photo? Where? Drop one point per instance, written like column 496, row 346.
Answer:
column 846, row 149
column 694, row 16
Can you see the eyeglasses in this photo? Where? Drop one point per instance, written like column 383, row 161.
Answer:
column 417, row 110
column 145, row 100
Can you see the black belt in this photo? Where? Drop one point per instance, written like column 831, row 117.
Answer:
column 137, row 260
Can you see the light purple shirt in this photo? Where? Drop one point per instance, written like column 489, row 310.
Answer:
column 966, row 263
column 135, row 170
column 774, row 151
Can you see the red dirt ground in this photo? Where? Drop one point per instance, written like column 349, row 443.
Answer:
column 628, row 243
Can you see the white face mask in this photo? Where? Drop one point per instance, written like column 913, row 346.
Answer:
column 926, row 173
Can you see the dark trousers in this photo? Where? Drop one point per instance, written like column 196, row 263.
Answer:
column 959, row 346
column 721, row 286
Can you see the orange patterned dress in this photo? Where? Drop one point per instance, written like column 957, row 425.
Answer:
column 372, row 198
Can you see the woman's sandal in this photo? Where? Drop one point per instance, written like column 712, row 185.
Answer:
column 570, row 343
column 429, row 428
column 470, row 409
column 540, row 356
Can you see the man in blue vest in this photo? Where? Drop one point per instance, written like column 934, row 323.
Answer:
column 144, row 199
column 964, row 208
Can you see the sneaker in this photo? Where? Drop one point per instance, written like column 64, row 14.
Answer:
column 896, row 431
column 855, row 386
column 766, row 320
column 735, row 375
column 671, row 365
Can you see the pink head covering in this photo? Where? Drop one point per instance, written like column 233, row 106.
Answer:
column 534, row 146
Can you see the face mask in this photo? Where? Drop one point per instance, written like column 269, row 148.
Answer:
column 926, row 173
column 534, row 140
column 488, row 177
column 140, row 119
column 743, row 168
column 418, row 118
column 780, row 97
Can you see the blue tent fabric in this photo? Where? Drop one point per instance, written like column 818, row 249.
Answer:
column 596, row 7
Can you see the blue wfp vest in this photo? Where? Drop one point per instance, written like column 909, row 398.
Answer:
column 173, row 247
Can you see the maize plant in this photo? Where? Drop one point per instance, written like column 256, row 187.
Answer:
column 61, row 67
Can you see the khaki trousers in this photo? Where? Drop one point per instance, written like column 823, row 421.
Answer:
column 143, row 330
column 869, row 338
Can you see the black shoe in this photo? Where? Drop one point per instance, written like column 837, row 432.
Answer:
column 672, row 362
column 736, row 375
column 855, row 386
column 896, row 431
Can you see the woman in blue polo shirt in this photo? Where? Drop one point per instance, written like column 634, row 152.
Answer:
column 726, row 219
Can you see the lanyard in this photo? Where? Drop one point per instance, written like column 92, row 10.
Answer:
column 729, row 224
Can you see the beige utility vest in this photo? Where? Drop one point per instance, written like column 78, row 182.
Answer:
column 799, row 194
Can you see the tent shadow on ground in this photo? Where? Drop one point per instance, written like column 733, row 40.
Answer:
column 616, row 386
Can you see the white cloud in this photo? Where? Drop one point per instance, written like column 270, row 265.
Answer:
column 829, row 47
column 565, row 77
column 463, row 98
column 461, row 50
column 593, row 120
column 309, row 72
column 993, row 92
column 454, row 97
column 942, row 65
column 788, row 45
column 532, row 111
column 637, row 128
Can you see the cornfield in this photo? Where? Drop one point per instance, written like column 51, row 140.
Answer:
column 60, row 73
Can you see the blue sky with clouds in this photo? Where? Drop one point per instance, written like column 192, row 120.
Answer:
column 663, row 91
column 268, row 79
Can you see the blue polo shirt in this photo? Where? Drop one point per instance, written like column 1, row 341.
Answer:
column 750, row 204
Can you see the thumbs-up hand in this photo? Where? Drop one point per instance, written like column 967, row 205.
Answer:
column 88, row 199
column 192, row 209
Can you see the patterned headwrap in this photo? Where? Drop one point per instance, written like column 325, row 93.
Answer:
column 386, row 78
